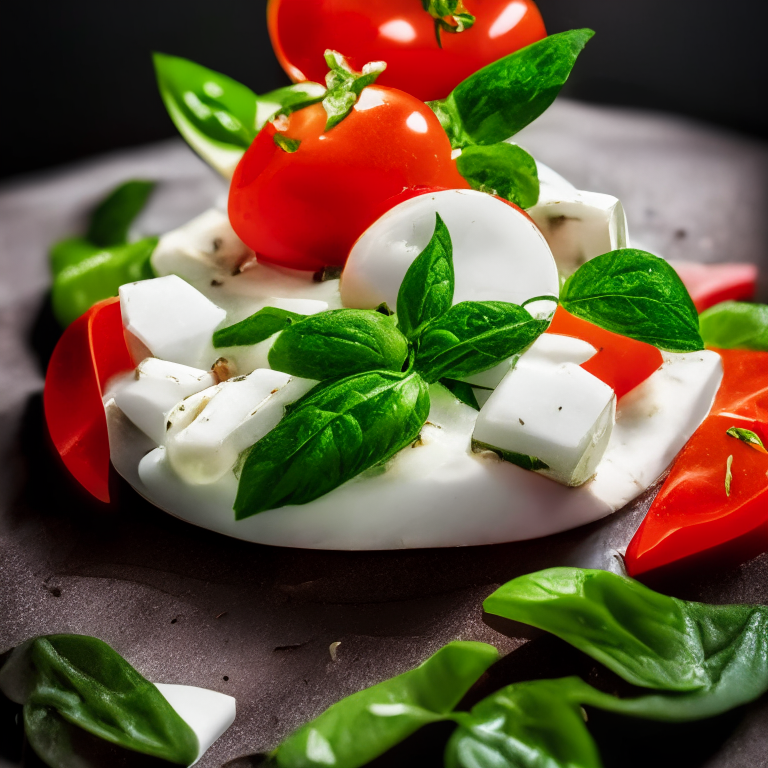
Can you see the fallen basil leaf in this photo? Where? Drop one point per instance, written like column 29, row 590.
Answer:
column 112, row 218
column 735, row 325
column 345, row 86
column 337, row 432
column 259, row 326
column 635, row 294
column 501, row 169
column 462, row 392
column 73, row 680
column 520, row 459
column 502, row 98
column 340, row 342
column 366, row 724
column 473, row 336
column 728, row 475
column 747, row 436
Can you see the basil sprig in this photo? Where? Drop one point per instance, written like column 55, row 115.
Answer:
column 72, row 683
column 635, row 294
column 258, row 327
column 735, row 325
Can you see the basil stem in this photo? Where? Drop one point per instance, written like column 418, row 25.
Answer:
column 72, row 682
column 258, row 327
column 735, row 325
column 635, row 294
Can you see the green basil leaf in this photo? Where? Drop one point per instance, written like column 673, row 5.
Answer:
column 635, row 294
column 259, row 326
column 501, row 169
column 338, row 343
column 112, row 218
column 366, row 724
column 499, row 100
column 474, row 336
column 337, row 432
column 345, row 86
column 73, row 680
column 79, row 285
column 70, row 251
column 735, row 325
column 461, row 391
column 520, row 459
column 426, row 292
column 714, row 656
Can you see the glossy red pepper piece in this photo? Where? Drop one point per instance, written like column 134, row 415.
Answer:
column 90, row 352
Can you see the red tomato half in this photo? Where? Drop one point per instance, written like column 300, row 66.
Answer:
column 90, row 352
column 305, row 209
column 401, row 33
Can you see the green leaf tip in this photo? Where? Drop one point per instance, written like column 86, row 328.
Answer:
column 747, row 436
column 345, row 85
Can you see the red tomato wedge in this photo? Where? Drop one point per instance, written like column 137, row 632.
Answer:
column 90, row 352
column 695, row 521
column 709, row 284
column 622, row 363
column 401, row 33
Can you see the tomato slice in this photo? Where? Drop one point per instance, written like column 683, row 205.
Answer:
column 709, row 284
column 622, row 363
column 90, row 352
column 694, row 521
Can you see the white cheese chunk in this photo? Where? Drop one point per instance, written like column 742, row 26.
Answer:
column 555, row 349
column 207, row 713
column 558, row 414
column 157, row 387
column 209, row 430
column 170, row 319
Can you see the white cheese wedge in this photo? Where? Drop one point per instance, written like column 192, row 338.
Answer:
column 555, row 349
column 167, row 318
column 557, row 413
column 207, row 713
column 498, row 253
column 157, row 387
column 209, row 430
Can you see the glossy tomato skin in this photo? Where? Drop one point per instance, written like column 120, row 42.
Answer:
column 305, row 209
column 401, row 33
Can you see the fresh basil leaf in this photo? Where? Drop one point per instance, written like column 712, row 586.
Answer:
column 735, row 325
column 259, row 326
column 474, row 336
column 714, row 656
column 70, row 251
column 748, row 437
column 340, row 342
column 366, row 724
column 345, row 86
column 462, row 392
column 501, row 169
column 426, row 292
column 499, row 100
column 112, row 218
column 338, row 431
column 635, row 294
column 79, row 285
column 73, row 680
column 520, row 459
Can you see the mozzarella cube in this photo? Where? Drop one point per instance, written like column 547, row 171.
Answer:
column 556, row 413
column 158, row 387
column 170, row 319
column 209, row 430
column 554, row 348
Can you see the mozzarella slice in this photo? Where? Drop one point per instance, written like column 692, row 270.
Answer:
column 555, row 349
column 158, row 386
column 167, row 318
column 207, row 713
column 498, row 253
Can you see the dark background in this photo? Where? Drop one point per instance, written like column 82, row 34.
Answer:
column 77, row 78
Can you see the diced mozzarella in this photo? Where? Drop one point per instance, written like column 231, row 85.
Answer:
column 157, row 387
column 498, row 253
column 299, row 306
column 207, row 713
column 555, row 349
column 209, row 430
column 557, row 413
column 170, row 319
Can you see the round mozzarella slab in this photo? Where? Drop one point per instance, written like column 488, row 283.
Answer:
column 498, row 252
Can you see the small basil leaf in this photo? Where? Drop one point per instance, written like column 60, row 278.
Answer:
column 79, row 285
column 366, row 724
column 338, row 343
column 345, row 86
column 259, row 326
column 474, row 336
column 735, row 325
column 73, row 680
column 635, row 294
column 112, row 218
column 337, row 432
column 501, row 169
column 461, row 391
column 426, row 292
column 499, row 100
column 520, row 459
column 748, row 437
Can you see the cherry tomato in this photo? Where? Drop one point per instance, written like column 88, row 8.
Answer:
column 305, row 209
column 90, row 352
column 401, row 33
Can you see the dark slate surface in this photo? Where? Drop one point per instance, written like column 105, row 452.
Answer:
column 188, row 606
